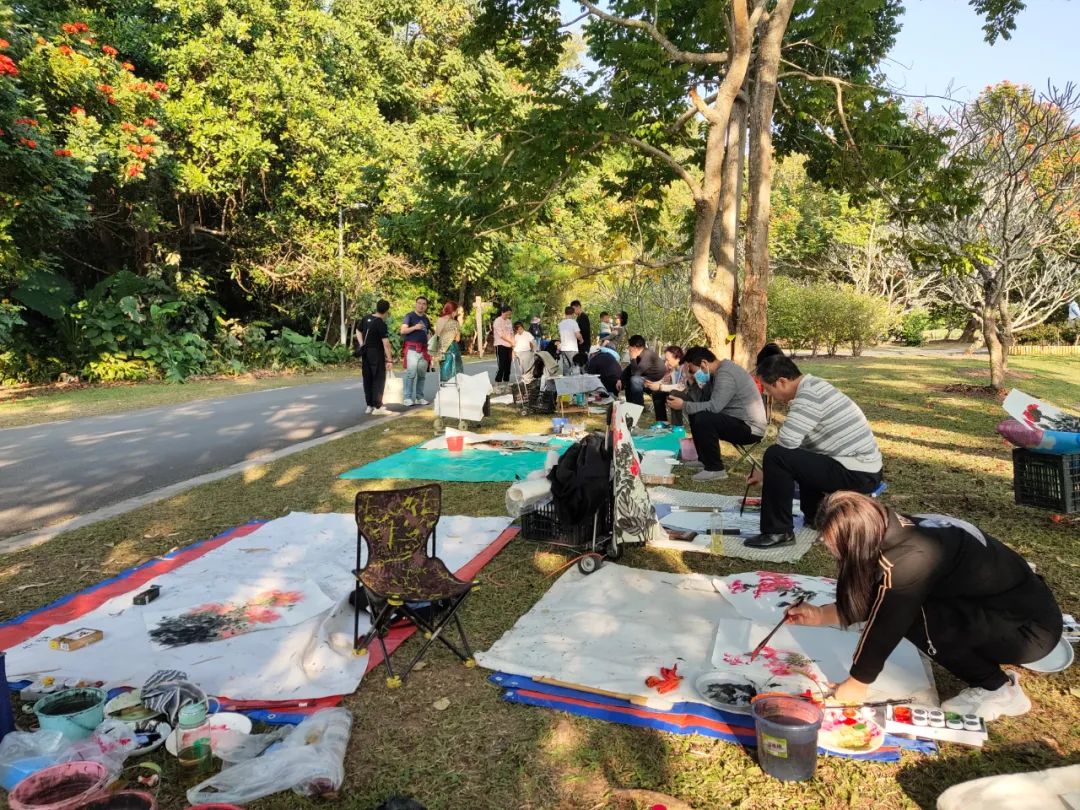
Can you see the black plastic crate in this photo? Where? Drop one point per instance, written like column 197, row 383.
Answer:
column 1047, row 481
column 542, row 525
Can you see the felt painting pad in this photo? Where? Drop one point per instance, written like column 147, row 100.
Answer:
column 614, row 628
column 309, row 660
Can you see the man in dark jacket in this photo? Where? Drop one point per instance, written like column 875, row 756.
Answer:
column 583, row 326
column 645, row 364
column 604, row 362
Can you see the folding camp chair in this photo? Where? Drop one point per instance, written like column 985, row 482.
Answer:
column 401, row 578
column 747, row 451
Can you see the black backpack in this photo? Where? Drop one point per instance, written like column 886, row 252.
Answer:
column 580, row 482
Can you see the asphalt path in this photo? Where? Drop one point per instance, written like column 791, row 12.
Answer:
column 59, row 470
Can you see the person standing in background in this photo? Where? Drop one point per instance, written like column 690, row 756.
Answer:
column 569, row 340
column 504, row 343
column 414, row 351
column 583, row 326
column 373, row 348
column 525, row 348
column 618, row 332
column 447, row 334
column 536, row 329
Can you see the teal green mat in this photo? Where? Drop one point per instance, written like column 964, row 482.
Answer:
column 661, row 440
column 474, row 466
column 416, row 464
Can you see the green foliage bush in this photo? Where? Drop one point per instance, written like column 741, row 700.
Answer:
column 133, row 328
column 912, row 326
column 1050, row 334
column 825, row 316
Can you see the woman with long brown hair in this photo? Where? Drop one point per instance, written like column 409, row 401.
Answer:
column 961, row 596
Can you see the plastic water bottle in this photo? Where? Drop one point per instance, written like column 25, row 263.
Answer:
column 716, row 532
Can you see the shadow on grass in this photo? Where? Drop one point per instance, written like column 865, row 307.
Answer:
column 925, row 780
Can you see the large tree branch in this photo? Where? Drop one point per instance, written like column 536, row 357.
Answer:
column 676, row 53
column 665, row 157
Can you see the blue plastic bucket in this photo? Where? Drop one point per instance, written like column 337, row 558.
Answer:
column 787, row 732
column 75, row 713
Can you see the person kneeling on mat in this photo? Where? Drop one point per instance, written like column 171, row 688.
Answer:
column 730, row 409
column 824, row 445
column 962, row 597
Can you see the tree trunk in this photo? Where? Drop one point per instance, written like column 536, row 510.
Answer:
column 707, row 297
column 996, row 347
column 753, row 298
column 725, row 238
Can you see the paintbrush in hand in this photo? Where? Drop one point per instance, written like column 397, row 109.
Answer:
column 764, row 641
column 746, row 494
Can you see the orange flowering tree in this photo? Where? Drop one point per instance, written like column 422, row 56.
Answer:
column 77, row 122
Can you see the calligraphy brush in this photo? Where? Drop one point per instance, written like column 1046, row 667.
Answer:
column 745, row 495
column 757, row 650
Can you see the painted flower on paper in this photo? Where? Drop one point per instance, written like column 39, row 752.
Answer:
column 215, row 621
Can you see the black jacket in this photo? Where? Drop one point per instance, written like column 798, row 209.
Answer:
column 585, row 328
column 607, row 367
column 948, row 585
column 649, row 365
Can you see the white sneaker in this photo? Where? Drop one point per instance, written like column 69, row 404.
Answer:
column 710, row 475
column 1007, row 701
column 421, row 402
column 407, row 403
column 368, row 409
column 381, row 412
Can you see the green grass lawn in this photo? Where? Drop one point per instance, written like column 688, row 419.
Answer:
column 942, row 455
column 19, row 407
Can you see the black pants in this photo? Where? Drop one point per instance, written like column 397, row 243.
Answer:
column 816, row 475
column 973, row 639
column 710, row 429
column 634, row 386
column 504, row 354
column 373, row 370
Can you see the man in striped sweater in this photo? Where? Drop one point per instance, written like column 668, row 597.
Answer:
column 825, row 445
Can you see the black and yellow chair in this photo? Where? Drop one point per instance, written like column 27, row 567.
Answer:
column 401, row 578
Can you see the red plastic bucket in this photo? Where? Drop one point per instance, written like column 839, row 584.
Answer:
column 455, row 444
column 61, row 787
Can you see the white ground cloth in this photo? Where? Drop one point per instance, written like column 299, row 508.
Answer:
column 284, row 663
column 1053, row 789
column 614, row 628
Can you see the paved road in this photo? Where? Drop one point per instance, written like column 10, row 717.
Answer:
column 59, row 470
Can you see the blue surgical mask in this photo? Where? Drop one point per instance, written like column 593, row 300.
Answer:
column 701, row 376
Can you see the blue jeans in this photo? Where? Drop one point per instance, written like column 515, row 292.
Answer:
column 415, row 365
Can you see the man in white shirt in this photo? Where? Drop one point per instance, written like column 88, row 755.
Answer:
column 569, row 334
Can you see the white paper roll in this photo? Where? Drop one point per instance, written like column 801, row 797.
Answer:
column 524, row 494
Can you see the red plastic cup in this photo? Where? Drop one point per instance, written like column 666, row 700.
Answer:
column 455, row 444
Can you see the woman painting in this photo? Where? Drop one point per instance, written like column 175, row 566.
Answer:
column 675, row 380
column 961, row 596
column 448, row 333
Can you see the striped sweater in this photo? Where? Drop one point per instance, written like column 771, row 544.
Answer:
column 825, row 421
